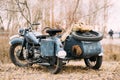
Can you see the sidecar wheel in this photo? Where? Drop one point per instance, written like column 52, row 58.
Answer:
column 15, row 56
column 56, row 68
column 87, row 36
column 93, row 62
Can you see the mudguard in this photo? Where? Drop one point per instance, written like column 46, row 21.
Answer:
column 16, row 40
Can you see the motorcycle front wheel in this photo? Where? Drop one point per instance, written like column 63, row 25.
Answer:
column 16, row 55
column 56, row 67
column 93, row 62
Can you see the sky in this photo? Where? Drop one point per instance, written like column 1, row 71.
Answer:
column 114, row 16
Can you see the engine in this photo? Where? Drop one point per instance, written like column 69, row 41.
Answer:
column 36, row 54
column 32, row 53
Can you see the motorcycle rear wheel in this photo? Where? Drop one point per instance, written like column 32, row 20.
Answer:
column 15, row 50
column 56, row 67
column 93, row 62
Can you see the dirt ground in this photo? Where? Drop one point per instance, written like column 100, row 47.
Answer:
column 74, row 70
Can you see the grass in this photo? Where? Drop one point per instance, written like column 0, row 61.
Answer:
column 111, row 52
column 75, row 70
column 4, row 49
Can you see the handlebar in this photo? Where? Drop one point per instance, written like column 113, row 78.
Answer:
column 36, row 24
column 30, row 28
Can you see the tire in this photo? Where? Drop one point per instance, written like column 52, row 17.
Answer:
column 56, row 68
column 15, row 59
column 87, row 36
column 97, row 60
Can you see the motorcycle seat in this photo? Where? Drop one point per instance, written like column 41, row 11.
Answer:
column 52, row 32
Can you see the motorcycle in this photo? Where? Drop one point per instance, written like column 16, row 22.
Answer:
column 27, row 48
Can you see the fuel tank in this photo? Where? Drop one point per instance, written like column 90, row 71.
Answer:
column 31, row 38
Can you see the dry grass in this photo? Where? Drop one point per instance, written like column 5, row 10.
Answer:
column 112, row 52
column 111, row 49
column 75, row 70
column 4, row 49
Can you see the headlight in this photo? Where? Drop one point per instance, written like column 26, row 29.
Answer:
column 61, row 54
column 21, row 31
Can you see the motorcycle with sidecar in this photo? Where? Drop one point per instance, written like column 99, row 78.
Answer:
column 28, row 48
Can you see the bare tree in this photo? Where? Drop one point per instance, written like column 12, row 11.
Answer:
column 21, row 10
column 105, row 16
column 1, row 24
column 71, row 21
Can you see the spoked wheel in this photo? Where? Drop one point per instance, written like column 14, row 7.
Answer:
column 56, row 66
column 93, row 62
column 16, row 55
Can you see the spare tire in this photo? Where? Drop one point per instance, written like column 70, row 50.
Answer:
column 87, row 36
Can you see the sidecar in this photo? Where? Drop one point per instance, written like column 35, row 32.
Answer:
column 85, row 45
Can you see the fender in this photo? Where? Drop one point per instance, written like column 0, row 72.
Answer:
column 16, row 40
